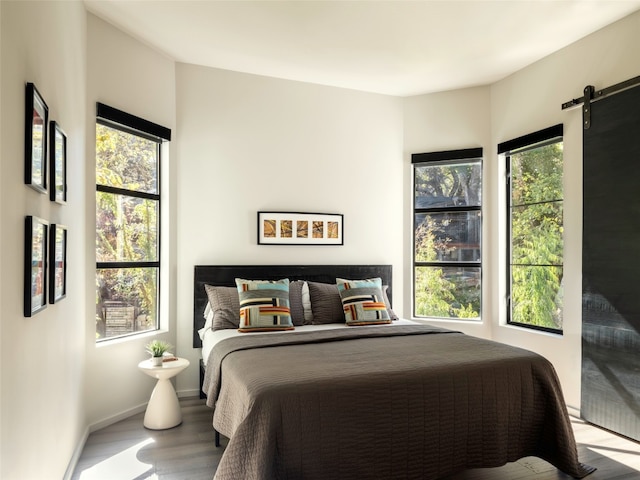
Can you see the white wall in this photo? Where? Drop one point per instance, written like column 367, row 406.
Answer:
column 42, row 357
column 520, row 104
column 1, row 256
column 248, row 143
column 125, row 74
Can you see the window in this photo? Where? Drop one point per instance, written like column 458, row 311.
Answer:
column 447, row 258
column 127, row 223
column 534, row 169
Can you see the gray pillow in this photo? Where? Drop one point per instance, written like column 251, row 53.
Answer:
column 326, row 304
column 225, row 305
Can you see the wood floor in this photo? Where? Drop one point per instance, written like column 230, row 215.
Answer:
column 128, row 451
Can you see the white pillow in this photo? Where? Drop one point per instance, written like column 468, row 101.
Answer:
column 306, row 304
column 208, row 315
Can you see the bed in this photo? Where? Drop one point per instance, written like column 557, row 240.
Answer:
column 393, row 400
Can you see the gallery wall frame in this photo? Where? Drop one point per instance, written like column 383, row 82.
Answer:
column 35, row 141
column 300, row 228
column 35, row 265
column 58, row 163
column 57, row 262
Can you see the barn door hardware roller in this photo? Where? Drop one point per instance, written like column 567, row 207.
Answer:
column 592, row 95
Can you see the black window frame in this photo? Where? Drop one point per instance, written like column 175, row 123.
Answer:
column 540, row 138
column 133, row 125
column 448, row 157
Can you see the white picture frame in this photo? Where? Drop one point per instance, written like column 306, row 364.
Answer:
column 300, row 228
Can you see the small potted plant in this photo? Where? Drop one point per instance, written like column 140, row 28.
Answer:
column 157, row 348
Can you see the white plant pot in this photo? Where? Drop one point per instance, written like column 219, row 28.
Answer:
column 156, row 361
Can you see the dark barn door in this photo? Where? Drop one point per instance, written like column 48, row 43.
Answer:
column 611, row 265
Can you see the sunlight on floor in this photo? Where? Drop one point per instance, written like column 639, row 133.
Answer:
column 629, row 458
column 124, row 465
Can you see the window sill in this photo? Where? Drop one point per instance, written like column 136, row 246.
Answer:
column 520, row 328
column 129, row 338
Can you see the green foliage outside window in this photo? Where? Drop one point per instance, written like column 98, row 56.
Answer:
column 433, row 292
column 537, row 236
column 126, row 231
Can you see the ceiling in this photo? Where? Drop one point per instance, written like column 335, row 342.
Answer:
column 391, row 47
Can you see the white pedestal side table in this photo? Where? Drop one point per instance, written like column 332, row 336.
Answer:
column 163, row 410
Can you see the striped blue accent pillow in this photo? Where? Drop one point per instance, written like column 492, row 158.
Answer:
column 264, row 305
column 363, row 302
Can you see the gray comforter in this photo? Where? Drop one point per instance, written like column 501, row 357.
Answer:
column 392, row 402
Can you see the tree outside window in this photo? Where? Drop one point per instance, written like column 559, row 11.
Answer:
column 447, row 234
column 535, row 195
column 127, row 232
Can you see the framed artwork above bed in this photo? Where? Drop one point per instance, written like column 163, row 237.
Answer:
column 298, row 228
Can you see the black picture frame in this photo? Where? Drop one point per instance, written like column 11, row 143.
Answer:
column 57, row 262
column 300, row 228
column 35, row 265
column 35, row 141
column 58, row 163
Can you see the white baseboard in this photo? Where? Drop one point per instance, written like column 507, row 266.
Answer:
column 194, row 392
column 76, row 455
column 573, row 411
column 116, row 418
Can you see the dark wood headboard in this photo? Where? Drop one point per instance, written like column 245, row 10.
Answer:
column 225, row 275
